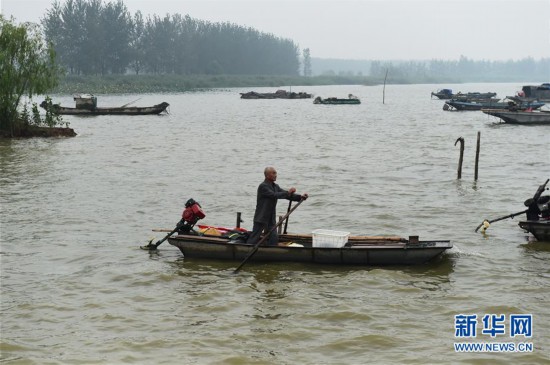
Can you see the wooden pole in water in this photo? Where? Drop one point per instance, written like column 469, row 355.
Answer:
column 461, row 158
column 477, row 154
column 384, row 90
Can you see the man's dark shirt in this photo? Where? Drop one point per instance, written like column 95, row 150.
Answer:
column 266, row 203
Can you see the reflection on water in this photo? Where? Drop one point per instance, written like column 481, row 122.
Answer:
column 76, row 288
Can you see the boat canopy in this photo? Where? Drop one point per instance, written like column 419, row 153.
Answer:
column 85, row 101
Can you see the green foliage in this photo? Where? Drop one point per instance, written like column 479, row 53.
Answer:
column 35, row 119
column 27, row 68
column 96, row 38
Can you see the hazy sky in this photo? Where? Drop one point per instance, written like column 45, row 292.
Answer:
column 368, row 29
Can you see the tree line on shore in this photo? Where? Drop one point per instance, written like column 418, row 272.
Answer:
column 185, row 54
column 463, row 69
column 95, row 38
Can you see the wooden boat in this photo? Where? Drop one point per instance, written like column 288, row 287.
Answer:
column 490, row 104
column 539, row 229
column 446, row 94
column 474, row 96
column 443, row 94
column 86, row 104
column 322, row 246
column 521, row 99
column 359, row 250
column 537, row 215
column 279, row 94
column 520, row 117
column 540, row 92
column 350, row 100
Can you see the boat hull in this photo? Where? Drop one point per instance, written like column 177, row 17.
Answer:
column 539, row 229
column 447, row 94
column 464, row 105
column 338, row 101
column 148, row 110
column 520, row 117
column 280, row 94
column 375, row 253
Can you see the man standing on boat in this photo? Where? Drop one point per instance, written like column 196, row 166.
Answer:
column 266, row 204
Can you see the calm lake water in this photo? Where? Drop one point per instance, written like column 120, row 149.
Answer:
column 76, row 288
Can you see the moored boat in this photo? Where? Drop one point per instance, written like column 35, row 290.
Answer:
column 279, row 94
column 86, row 104
column 336, row 101
column 443, row 94
column 540, row 92
column 491, row 104
column 520, row 117
column 446, row 94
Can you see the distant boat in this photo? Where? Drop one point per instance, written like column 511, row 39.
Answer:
column 446, row 94
column 520, row 117
column 350, row 100
column 279, row 94
column 443, row 94
column 540, row 92
column 521, row 99
column 490, row 104
column 86, row 104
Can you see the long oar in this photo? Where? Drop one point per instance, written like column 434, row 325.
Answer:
column 536, row 197
column 253, row 251
column 153, row 246
column 286, row 221
column 487, row 222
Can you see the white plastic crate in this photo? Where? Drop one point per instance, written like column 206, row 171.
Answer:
column 328, row 238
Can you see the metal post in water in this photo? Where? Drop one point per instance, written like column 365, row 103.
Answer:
column 459, row 173
column 477, row 154
column 239, row 220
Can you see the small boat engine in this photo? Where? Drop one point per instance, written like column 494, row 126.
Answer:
column 190, row 216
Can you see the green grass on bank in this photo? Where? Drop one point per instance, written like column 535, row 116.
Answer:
column 115, row 84
column 112, row 84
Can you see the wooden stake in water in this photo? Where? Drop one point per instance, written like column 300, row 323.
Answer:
column 459, row 172
column 384, row 90
column 477, row 154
